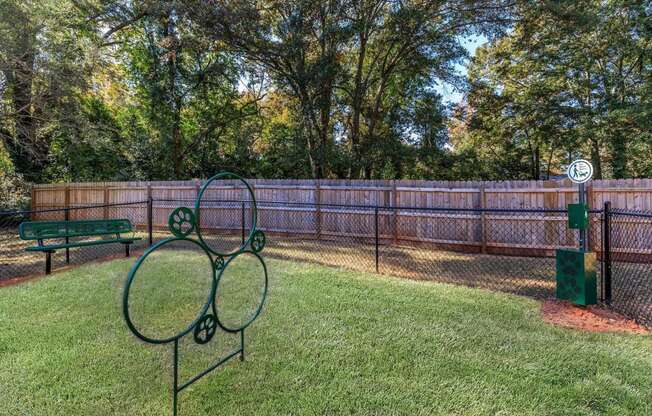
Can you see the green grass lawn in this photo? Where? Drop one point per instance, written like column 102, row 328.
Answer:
column 329, row 342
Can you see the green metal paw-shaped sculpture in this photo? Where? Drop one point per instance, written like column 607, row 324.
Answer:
column 182, row 223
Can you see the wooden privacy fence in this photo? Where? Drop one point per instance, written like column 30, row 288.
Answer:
column 302, row 207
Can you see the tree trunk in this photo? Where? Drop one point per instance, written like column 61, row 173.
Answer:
column 28, row 155
column 618, row 154
column 356, row 107
column 174, row 96
column 595, row 159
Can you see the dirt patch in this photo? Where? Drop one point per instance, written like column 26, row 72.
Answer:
column 135, row 253
column 589, row 318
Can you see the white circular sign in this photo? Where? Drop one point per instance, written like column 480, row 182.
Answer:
column 580, row 171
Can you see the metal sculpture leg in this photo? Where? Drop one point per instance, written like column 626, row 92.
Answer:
column 242, row 354
column 175, row 376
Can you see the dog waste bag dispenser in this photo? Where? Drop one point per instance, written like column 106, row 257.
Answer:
column 576, row 268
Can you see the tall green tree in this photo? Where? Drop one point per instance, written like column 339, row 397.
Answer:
column 571, row 79
column 43, row 68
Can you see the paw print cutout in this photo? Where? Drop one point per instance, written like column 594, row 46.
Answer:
column 205, row 329
column 181, row 222
column 258, row 241
column 218, row 263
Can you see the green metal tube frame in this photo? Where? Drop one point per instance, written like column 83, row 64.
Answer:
column 205, row 324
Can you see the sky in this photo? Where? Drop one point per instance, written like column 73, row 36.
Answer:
column 447, row 91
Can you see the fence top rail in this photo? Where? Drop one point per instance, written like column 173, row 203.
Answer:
column 329, row 205
column 630, row 213
column 238, row 202
column 72, row 208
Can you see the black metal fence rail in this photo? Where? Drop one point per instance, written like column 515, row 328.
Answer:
column 508, row 250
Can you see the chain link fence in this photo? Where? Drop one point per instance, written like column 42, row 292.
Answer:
column 507, row 250
column 630, row 249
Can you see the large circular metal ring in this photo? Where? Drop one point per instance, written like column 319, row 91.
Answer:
column 130, row 279
column 262, row 298
column 254, row 219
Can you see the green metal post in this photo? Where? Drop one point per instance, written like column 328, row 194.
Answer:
column 242, row 346
column 582, row 199
column 175, row 376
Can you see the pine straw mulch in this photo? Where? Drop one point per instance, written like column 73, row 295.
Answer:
column 590, row 318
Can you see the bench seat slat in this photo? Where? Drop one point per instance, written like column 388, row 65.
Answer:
column 81, row 244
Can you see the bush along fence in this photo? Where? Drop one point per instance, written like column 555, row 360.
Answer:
column 509, row 250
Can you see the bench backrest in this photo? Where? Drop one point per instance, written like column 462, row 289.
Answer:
column 40, row 230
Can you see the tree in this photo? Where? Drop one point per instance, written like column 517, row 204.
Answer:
column 571, row 79
column 42, row 69
column 399, row 48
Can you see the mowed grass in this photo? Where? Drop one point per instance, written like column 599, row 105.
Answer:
column 328, row 342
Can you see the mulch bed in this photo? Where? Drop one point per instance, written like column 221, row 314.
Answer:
column 590, row 318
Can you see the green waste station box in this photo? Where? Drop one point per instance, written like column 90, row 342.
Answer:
column 578, row 216
column 576, row 276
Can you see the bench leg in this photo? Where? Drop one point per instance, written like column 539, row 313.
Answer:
column 48, row 262
column 127, row 249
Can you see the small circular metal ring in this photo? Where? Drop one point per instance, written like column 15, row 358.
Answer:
column 262, row 298
column 254, row 216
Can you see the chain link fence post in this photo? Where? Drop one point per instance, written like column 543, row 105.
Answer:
column 150, row 221
column 376, row 235
column 242, row 220
column 66, row 215
column 606, row 250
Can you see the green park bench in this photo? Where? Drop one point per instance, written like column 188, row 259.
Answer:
column 65, row 230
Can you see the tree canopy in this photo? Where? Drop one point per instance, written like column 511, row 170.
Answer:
column 148, row 89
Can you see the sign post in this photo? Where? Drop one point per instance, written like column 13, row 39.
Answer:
column 576, row 269
column 580, row 172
